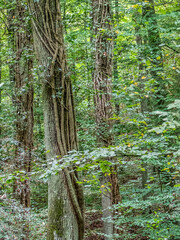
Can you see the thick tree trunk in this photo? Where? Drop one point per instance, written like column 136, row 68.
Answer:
column 65, row 205
column 102, row 78
column 24, row 101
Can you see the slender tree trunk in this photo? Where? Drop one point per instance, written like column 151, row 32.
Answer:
column 24, row 101
column 154, row 39
column 140, row 39
column 144, row 100
column 154, row 51
column 115, row 60
column 102, row 78
column 39, row 113
column 65, row 196
column 64, row 16
column 11, row 43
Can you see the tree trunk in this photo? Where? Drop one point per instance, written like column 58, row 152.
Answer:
column 24, row 101
column 65, row 196
column 154, row 51
column 140, row 40
column 115, row 61
column 102, row 78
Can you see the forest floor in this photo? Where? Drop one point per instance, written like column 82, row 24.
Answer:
column 12, row 222
column 93, row 226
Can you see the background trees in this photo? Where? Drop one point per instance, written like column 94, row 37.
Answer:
column 144, row 115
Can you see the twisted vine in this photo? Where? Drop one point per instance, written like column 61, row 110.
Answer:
column 49, row 31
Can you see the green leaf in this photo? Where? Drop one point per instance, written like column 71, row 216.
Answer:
column 177, row 185
column 176, row 104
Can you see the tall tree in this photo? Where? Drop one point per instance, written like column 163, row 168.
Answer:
column 115, row 57
column 141, row 40
column 23, row 99
column 65, row 196
column 154, row 51
column 149, row 48
column 102, row 78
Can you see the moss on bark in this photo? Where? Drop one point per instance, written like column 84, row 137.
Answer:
column 55, row 229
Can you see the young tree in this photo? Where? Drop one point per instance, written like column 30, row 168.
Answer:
column 65, row 196
column 141, row 40
column 149, row 49
column 102, row 78
column 154, row 51
column 115, row 57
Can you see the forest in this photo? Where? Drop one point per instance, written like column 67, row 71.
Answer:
column 89, row 119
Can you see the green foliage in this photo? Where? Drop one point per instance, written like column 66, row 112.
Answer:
column 146, row 121
column 14, row 218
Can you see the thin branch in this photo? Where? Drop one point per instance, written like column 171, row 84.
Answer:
column 165, row 45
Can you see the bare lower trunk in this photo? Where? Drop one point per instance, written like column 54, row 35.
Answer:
column 62, row 219
column 65, row 205
column 106, row 202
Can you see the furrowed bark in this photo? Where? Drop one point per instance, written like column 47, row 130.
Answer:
column 102, row 78
column 24, row 101
column 65, row 196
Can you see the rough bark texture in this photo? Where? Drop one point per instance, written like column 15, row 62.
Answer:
column 102, row 78
column 103, row 71
column 65, row 196
column 24, row 101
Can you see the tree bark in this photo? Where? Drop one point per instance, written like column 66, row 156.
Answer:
column 24, row 101
column 102, row 78
column 65, row 196
column 115, row 61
